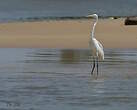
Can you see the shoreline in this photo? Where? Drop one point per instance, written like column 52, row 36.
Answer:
column 112, row 33
column 64, row 18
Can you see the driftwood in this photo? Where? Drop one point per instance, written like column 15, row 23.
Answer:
column 131, row 21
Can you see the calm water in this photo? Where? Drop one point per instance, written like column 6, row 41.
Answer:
column 12, row 10
column 43, row 79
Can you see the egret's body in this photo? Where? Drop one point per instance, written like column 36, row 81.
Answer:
column 95, row 46
column 96, row 49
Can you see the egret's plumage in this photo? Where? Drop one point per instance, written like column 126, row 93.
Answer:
column 96, row 49
column 95, row 46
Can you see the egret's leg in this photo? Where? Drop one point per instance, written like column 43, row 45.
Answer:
column 97, row 66
column 92, row 70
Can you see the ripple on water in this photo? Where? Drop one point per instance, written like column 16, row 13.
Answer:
column 40, row 78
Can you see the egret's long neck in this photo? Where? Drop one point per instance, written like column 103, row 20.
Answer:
column 93, row 29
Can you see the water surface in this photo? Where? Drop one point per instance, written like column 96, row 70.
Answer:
column 55, row 79
column 12, row 10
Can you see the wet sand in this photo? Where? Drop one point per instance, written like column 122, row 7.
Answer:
column 112, row 33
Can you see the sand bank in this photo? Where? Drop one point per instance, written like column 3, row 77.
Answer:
column 112, row 33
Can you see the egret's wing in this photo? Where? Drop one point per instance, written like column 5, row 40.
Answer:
column 100, row 51
column 97, row 43
column 100, row 45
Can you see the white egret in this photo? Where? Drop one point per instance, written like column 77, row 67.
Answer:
column 95, row 46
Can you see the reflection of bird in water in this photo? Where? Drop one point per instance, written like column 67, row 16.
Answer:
column 95, row 46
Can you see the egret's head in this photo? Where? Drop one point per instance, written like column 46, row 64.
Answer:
column 95, row 16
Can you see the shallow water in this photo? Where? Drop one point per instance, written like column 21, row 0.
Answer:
column 59, row 79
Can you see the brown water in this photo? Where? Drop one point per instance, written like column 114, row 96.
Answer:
column 54, row 79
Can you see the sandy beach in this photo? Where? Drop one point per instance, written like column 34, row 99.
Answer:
column 112, row 33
